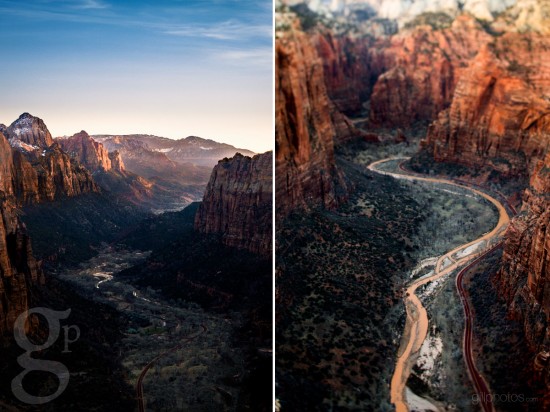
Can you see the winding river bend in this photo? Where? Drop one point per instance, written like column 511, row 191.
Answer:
column 416, row 325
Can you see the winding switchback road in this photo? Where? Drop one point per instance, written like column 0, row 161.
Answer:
column 416, row 326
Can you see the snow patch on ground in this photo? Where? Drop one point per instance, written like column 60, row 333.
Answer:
column 469, row 250
column 206, row 148
column 446, row 262
column 16, row 143
column 458, row 193
column 424, row 263
column 431, row 287
column 164, row 150
column 429, row 353
column 416, row 403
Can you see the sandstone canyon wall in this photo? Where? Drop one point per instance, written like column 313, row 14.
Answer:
column 238, row 203
column 500, row 113
column 42, row 170
column 91, row 154
column 19, row 270
column 306, row 175
column 524, row 278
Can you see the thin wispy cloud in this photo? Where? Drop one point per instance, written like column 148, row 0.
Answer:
column 135, row 59
column 91, row 4
column 227, row 30
column 258, row 57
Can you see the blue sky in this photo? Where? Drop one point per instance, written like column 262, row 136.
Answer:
column 166, row 67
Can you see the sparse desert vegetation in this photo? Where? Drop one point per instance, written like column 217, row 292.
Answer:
column 339, row 312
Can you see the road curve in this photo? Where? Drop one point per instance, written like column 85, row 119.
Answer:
column 416, row 325
column 480, row 385
column 139, row 384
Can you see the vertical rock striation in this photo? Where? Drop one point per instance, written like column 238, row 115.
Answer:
column 42, row 170
column 422, row 67
column 18, row 268
column 499, row 116
column 238, row 203
column 86, row 151
column 306, row 175
column 524, row 278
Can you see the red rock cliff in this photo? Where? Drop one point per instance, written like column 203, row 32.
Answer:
column 422, row 67
column 91, row 154
column 42, row 171
column 18, row 268
column 498, row 116
column 306, row 175
column 524, row 278
column 238, row 203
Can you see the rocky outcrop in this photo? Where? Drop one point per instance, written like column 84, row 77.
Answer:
column 91, row 154
column 18, row 268
column 116, row 161
column 499, row 116
column 306, row 175
column 350, row 67
column 524, row 278
column 41, row 170
column 237, row 203
column 422, row 67
column 53, row 175
column 29, row 130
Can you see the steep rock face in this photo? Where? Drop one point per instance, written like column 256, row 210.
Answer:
column 18, row 268
column 42, row 171
column 87, row 151
column 56, row 175
column 423, row 68
column 350, row 67
column 238, row 203
column 306, row 175
column 6, row 166
column 116, row 161
column 500, row 114
column 29, row 130
column 524, row 278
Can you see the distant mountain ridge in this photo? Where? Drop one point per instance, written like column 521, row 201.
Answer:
column 192, row 149
column 511, row 15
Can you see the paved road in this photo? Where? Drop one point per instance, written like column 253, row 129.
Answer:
column 416, row 325
column 481, row 386
column 139, row 384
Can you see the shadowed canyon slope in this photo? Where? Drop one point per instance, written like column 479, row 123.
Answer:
column 524, row 278
column 18, row 267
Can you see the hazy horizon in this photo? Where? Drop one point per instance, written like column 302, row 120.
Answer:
column 169, row 68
